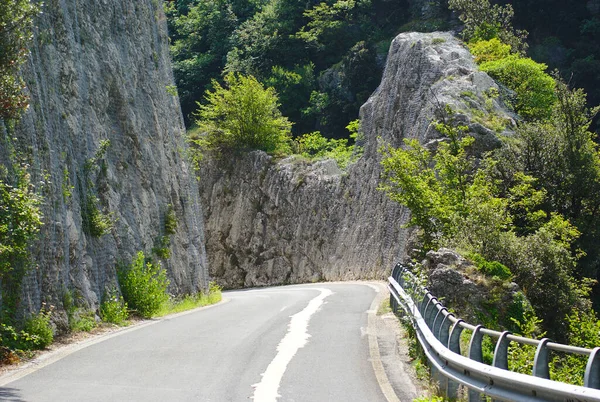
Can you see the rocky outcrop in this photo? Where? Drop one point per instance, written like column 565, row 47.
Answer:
column 477, row 298
column 100, row 71
column 273, row 222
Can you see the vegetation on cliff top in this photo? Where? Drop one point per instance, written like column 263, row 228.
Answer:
column 323, row 59
column 243, row 115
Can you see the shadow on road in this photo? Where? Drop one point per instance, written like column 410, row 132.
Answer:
column 10, row 395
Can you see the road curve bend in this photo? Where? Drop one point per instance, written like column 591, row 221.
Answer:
column 301, row 343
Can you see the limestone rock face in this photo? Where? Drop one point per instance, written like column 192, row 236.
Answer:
column 274, row 222
column 100, row 70
column 476, row 298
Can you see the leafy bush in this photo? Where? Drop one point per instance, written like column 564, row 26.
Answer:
column 484, row 22
column 20, row 222
column 533, row 87
column 16, row 20
column 95, row 222
column 144, row 286
column 491, row 268
column 113, row 309
column 83, row 321
column 170, row 221
column 39, row 330
column 315, row 146
column 489, row 50
column 242, row 115
column 457, row 205
column 162, row 247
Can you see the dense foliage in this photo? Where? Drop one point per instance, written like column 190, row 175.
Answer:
column 16, row 30
column 322, row 58
column 314, row 146
column 527, row 211
column 242, row 115
column 20, row 221
column 144, row 286
column 564, row 35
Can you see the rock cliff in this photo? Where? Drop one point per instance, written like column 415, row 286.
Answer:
column 105, row 131
column 274, row 222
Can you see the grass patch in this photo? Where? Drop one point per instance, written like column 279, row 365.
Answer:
column 84, row 321
column 384, row 307
column 189, row 302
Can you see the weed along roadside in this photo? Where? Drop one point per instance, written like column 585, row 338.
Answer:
column 144, row 297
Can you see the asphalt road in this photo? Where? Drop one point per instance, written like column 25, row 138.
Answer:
column 305, row 343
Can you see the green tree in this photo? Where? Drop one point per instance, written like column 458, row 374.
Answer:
column 534, row 88
column 266, row 40
column 436, row 194
column 294, row 88
column 242, row 115
column 482, row 21
column 562, row 155
column 200, row 39
column 333, row 28
column 16, row 31
column 457, row 201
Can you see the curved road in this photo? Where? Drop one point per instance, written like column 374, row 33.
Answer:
column 303, row 343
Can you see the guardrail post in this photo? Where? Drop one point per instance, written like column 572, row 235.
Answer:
column 397, row 273
column 393, row 304
column 476, row 354
column 454, row 341
column 454, row 346
column 437, row 322
column 424, row 302
column 432, row 312
column 444, row 332
column 540, row 362
column 591, row 378
column 429, row 302
column 501, row 351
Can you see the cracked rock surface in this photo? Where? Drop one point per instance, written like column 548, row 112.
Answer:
column 100, row 70
column 290, row 221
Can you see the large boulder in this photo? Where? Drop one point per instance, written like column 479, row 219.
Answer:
column 274, row 221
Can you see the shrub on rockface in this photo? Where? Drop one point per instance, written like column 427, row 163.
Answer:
column 20, row 222
column 533, row 87
column 489, row 50
column 243, row 114
column 144, row 286
column 16, row 31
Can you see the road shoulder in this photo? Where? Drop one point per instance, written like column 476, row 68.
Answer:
column 389, row 353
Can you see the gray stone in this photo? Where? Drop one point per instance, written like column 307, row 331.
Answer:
column 289, row 221
column 476, row 298
column 99, row 71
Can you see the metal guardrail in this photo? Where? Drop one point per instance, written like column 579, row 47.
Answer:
column 438, row 332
